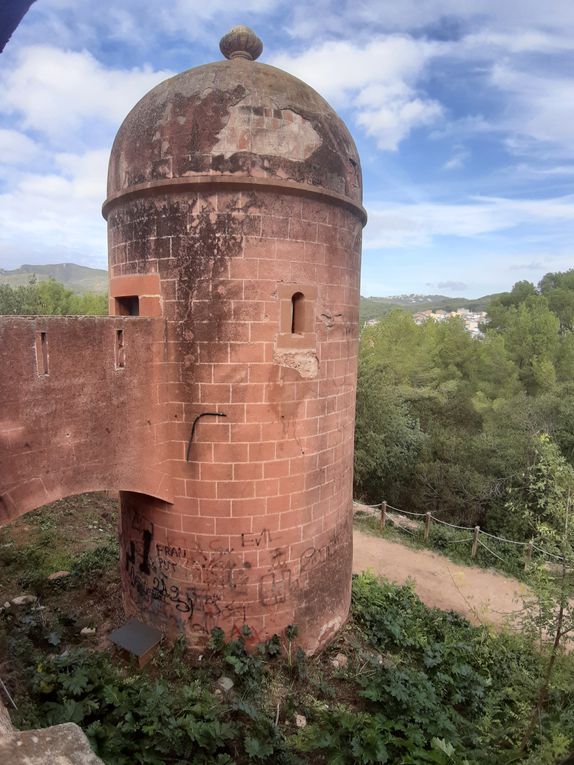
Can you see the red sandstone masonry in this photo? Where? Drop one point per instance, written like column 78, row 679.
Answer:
column 225, row 520
column 81, row 441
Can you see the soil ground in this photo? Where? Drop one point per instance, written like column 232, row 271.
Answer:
column 77, row 535
column 482, row 596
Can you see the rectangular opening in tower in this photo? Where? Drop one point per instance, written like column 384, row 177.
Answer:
column 120, row 349
column 128, row 305
column 42, row 353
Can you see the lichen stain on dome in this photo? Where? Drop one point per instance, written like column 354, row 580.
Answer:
column 237, row 118
column 268, row 131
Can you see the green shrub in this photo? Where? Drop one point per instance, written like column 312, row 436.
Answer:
column 420, row 686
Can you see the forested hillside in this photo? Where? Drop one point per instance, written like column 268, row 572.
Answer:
column 457, row 425
column 77, row 278
column 49, row 297
column 377, row 307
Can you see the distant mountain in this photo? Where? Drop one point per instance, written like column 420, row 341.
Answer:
column 82, row 279
column 79, row 279
column 375, row 307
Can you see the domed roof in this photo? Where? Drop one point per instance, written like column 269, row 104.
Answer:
column 236, row 117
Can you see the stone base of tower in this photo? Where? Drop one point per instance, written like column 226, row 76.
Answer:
column 188, row 584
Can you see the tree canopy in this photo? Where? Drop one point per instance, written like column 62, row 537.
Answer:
column 452, row 423
column 49, row 297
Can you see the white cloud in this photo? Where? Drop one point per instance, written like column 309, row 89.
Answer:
column 341, row 16
column 337, row 68
column 377, row 80
column 541, row 108
column 140, row 24
column 534, row 265
column 385, row 84
column 417, row 224
column 16, row 148
column 87, row 171
column 58, row 93
column 451, row 286
column 56, row 217
column 487, row 42
column 392, row 121
column 549, row 171
column 457, row 159
column 188, row 14
column 72, row 104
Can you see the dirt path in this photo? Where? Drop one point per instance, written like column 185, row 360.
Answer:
column 481, row 596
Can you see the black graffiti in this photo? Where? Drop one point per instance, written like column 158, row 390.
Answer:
column 314, row 556
column 131, row 555
column 144, row 565
column 254, row 540
column 147, row 536
column 160, row 591
column 275, row 586
column 217, row 569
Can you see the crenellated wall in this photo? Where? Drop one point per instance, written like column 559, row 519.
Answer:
column 79, row 409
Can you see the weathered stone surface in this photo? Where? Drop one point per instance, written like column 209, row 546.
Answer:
column 59, row 745
column 24, row 600
column 300, row 721
column 339, row 661
column 58, row 575
column 225, row 683
column 230, row 118
column 6, row 727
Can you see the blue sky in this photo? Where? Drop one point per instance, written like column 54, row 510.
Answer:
column 463, row 112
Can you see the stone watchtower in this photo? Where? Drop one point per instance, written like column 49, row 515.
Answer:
column 234, row 217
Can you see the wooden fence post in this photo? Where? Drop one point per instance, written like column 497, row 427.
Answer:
column 475, row 534
column 383, row 515
column 528, row 553
column 427, row 526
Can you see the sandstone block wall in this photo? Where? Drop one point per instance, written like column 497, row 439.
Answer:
column 260, row 527
column 79, row 409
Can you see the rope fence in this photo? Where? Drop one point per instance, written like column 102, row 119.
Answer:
column 423, row 529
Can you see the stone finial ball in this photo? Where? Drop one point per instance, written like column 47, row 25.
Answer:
column 241, row 42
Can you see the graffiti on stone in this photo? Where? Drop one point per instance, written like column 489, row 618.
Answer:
column 262, row 539
column 315, row 556
column 205, row 586
column 275, row 586
column 201, row 586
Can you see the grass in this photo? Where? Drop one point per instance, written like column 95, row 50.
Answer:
column 54, row 538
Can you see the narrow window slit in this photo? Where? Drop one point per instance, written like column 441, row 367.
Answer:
column 120, row 349
column 297, row 314
column 42, row 353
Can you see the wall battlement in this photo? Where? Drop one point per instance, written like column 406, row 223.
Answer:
column 79, row 408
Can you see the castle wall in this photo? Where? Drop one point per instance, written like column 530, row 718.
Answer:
column 79, row 409
column 224, row 413
column 260, row 527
